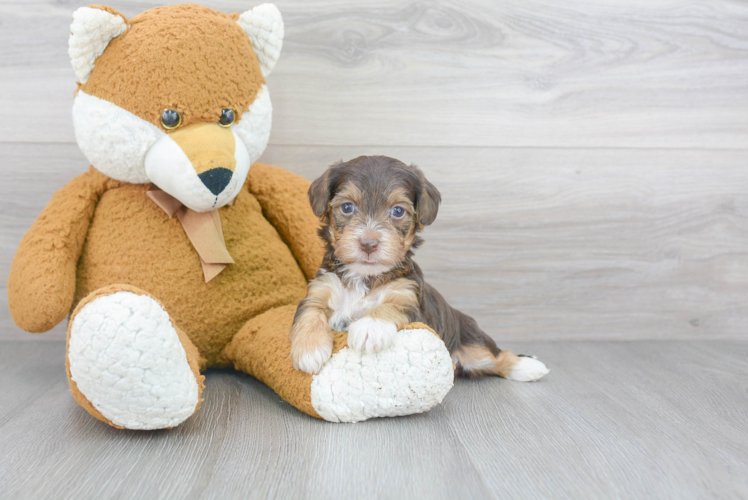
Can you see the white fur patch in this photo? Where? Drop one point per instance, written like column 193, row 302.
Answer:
column 371, row 335
column 528, row 370
column 114, row 140
column 90, row 32
column 412, row 376
column 254, row 127
column 264, row 27
column 350, row 303
column 313, row 361
column 362, row 269
column 127, row 360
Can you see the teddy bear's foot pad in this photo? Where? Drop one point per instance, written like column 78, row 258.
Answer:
column 126, row 358
column 412, row 376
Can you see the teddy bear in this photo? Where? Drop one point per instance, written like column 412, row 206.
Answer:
column 176, row 251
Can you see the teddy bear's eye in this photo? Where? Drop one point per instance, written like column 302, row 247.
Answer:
column 227, row 118
column 170, row 119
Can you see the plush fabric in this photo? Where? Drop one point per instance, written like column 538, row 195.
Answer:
column 90, row 33
column 153, row 65
column 417, row 376
column 122, row 382
column 112, row 138
column 42, row 281
column 264, row 26
column 278, row 194
column 144, row 321
column 153, row 253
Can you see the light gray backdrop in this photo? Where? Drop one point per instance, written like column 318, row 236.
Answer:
column 591, row 155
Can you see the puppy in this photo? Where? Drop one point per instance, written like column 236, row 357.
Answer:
column 372, row 209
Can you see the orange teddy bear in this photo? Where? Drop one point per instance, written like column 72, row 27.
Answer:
column 171, row 254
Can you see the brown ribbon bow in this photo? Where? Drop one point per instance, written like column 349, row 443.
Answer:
column 204, row 230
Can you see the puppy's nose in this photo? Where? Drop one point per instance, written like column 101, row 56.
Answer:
column 369, row 246
column 216, row 179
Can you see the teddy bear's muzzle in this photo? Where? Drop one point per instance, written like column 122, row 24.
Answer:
column 216, row 179
column 202, row 165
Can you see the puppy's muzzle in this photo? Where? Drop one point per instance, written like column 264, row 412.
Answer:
column 369, row 245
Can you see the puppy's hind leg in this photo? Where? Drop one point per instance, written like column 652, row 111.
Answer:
column 478, row 356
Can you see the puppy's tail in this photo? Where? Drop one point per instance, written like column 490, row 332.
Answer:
column 474, row 361
column 478, row 355
column 474, row 353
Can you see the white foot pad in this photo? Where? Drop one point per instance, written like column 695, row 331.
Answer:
column 127, row 360
column 528, row 369
column 412, row 376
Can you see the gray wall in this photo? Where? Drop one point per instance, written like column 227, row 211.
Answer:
column 591, row 154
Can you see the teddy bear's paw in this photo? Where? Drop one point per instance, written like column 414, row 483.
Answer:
column 371, row 335
column 412, row 376
column 126, row 358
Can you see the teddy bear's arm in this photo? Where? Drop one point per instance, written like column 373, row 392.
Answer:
column 285, row 203
column 42, row 278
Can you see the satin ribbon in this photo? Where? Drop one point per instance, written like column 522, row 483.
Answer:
column 204, row 230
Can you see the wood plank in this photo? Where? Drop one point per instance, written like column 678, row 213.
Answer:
column 583, row 244
column 612, row 420
column 535, row 243
column 587, row 73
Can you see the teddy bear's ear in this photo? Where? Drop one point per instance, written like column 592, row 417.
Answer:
column 264, row 27
column 90, row 33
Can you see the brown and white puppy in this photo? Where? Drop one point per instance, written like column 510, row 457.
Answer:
column 372, row 209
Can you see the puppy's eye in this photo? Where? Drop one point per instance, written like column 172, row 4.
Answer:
column 347, row 208
column 227, row 118
column 170, row 119
column 398, row 212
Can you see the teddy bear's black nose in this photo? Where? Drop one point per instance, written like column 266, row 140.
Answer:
column 216, row 179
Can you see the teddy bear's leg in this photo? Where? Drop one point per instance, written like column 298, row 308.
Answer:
column 412, row 376
column 128, row 365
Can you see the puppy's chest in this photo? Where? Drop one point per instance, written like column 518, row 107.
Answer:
column 351, row 303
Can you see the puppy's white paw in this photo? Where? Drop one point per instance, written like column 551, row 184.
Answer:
column 371, row 335
column 312, row 361
column 528, row 369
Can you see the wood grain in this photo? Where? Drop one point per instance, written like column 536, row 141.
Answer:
column 588, row 73
column 591, row 156
column 534, row 243
column 612, row 420
column 581, row 243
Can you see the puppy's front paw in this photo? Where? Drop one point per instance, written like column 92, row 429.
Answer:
column 310, row 360
column 371, row 335
column 310, row 350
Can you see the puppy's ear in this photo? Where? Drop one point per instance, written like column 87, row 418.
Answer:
column 319, row 194
column 428, row 203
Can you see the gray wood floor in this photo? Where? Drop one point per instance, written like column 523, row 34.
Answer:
column 592, row 160
column 644, row 419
